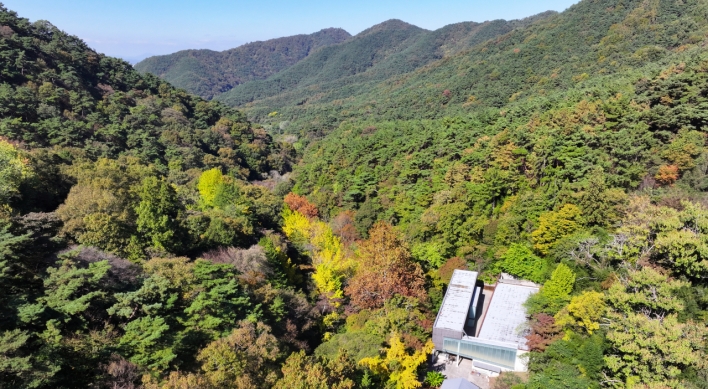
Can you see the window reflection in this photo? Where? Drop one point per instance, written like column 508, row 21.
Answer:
column 501, row 356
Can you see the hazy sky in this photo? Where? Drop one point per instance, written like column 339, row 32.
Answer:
column 134, row 29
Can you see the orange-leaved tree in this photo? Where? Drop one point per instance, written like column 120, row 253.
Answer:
column 385, row 269
column 300, row 204
column 667, row 174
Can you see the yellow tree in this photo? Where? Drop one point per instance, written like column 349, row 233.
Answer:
column 583, row 311
column 400, row 366
column 331, row 265
column 555, row 225
column 208, row 184
column 13, row 170
column 296, row 226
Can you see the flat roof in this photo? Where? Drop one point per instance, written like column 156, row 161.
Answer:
column 456, row 304
column 506, row 314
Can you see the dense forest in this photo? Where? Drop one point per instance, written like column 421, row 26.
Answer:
column 543, row 54
column 355, row 67
column 208, row 73
column 152, row 239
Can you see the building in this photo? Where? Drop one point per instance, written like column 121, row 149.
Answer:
column 484, row 323
column 458, row 383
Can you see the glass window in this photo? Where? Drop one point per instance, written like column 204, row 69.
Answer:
column 450, row 345
column 501, row 356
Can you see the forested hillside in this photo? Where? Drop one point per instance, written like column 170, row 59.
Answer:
column 372, row 56
column 590, row 39
column 208, row 73
column 106, row 176
column 358, row 55
column 594, row 187
column 151, row 239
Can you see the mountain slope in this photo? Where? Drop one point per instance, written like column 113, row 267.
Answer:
column 598, row 191
column 55, row 91
column 331, row 73
column 333, row 64
column 447, row 41
column 102, row 171
column 207, row 73
column 575, row 143
column 589, row 39
column 496, row 190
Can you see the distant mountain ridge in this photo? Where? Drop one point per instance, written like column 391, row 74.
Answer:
column 208, row 73
column 334, row 64
column 261, row 70
column 354, row 67
column 506, row 62
column 397, row 71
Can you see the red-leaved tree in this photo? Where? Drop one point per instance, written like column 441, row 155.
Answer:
column 543, row 332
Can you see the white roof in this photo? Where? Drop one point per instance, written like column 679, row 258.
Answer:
column 506, row 316
column 456, row 304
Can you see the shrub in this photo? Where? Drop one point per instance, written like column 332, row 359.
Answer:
column 434, row 378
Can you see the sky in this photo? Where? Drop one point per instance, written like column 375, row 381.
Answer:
column 136, row 29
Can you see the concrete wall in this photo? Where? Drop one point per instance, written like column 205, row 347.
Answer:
column 440, row 333
column 522, row 360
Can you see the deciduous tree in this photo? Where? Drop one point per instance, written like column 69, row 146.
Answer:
column 309, row 372
column 296, row 226
column 544, row 331
column 555, row 293
column 682, row 239
column 384, row 270
column 648, row 345
column 245, row 359
column 584, row 311
column 14, row 169
column 560, row 285
column 520, row 261
column 208, row 185
column 554, row 225
column 301, row 204
column 398, row 365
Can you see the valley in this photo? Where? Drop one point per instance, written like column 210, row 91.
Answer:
column 300, row 212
